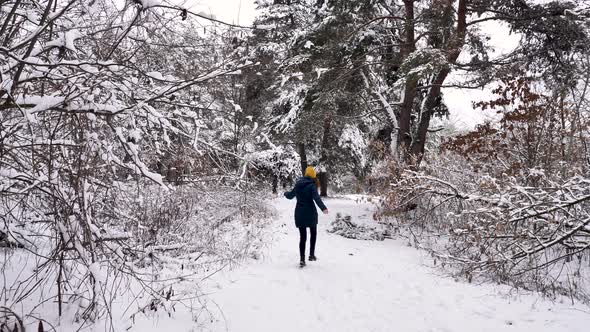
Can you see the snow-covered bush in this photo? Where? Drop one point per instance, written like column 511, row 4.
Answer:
column 157, row 243
column 189, row 219
column 346, row 227
column 280, row 163
column 497, row 229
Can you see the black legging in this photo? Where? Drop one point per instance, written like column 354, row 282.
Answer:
column 303, row 239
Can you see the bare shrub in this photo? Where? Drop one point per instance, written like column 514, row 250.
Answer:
column 149, row 251
column 507, row 202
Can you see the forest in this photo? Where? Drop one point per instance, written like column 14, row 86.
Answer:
column 141, row 142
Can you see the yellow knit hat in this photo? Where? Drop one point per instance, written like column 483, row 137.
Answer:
column 310, row 172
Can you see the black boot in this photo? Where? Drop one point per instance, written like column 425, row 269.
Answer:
column 312, row 258
column 302, row 263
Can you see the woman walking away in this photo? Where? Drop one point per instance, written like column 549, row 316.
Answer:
column 306, row 215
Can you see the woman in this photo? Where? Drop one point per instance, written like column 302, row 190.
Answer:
column 306, row 215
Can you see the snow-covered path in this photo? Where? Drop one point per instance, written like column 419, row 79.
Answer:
column 371, row 286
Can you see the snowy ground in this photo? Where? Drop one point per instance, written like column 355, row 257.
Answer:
column 370, row 286
column 354, row 286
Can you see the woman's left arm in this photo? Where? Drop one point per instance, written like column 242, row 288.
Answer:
column 290, row 194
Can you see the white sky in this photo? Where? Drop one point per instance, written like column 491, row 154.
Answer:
column 460, row 101
column 231, row 11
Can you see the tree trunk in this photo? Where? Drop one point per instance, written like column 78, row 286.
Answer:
column 323, row 177
column 303, row 157
column 404, row 138
column 416, row 151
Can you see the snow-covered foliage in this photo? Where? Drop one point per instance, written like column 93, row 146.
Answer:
column 280, row 161
column 353, row 140
column 115, row 163
column 508, row 202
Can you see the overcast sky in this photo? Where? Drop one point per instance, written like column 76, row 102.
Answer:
column 230, row 11
column 460, row 101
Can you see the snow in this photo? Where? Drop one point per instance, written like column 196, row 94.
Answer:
column 6, row 84
column 42, row 103
column 155, row 75
column 66, row 40
column 371, row 286
column 320, row 71
column 149, row 3
column 352, row 139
